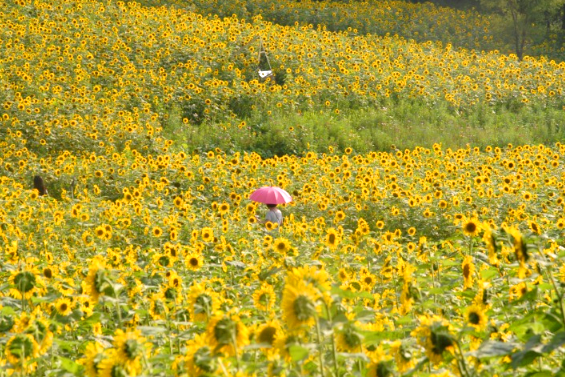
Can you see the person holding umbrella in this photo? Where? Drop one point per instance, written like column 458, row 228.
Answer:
column 273, row 215
column 271, row 196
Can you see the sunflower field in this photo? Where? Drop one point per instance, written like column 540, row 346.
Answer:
column 146, row 257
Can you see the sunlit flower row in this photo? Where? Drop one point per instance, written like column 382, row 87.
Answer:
column 147, row 264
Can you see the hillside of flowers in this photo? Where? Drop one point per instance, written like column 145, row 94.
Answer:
column 145, row 256
column 74, row 73
column 418, row 21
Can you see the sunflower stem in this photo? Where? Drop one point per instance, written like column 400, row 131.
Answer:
column 334, row 348
column 223, row 367
column 119, row 310
column 558, row 291
column 462, row 360
column 320, row 353
column 234, row 341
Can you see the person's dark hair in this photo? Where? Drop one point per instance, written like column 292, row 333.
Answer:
column 271, row 205
column 39, row 185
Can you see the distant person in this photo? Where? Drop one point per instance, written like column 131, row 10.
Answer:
column 39, row 185
column 274, row 215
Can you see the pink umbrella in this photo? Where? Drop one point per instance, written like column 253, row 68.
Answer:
column 270, row 195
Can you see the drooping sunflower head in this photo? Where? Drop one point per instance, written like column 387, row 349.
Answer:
column 227, row 334
column 24, row 284
column 434, row 334
column 199, row 359
column 266, row 335
column 349, row 339
column 202, row 302
column 131, row 348
column 299, row 306
column 21, row 347
column 97, row 281
column 468, row 268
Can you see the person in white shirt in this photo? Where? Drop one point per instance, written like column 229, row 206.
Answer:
column 274, row 215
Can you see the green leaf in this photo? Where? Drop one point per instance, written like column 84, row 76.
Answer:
column 48, row 298
column 531, row 351
column 263, row 275
column 297, row 353
column 557, row 341
column 350, row 295
column 492, row 348
column 487, row 274
column 152, row 330
column 92, row 320
column 70, row 366
column 436, row 290
column 375, row 337
column 407, row 319
column 447, row 263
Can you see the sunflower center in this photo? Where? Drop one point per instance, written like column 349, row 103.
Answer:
column 470, row 227
column 267, row 335
column 48, row 273
column 194, row 262
column 474, row 318
column 440, row 343
column 467, row 271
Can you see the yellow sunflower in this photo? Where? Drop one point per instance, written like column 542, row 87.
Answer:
column 332, row 238
column 194, row 261
column 468, row 270
column 93, row 355
column 349, row 339
column 476, row 317
column 264, row 297
column 207, row 234
column 281, row 246
column 471, row 227
column 198, row 359
column 63, row 306
column 96, row 281
column 266, row 335
column 20, row 348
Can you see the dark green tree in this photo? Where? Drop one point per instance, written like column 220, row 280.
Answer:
column 523, row 17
